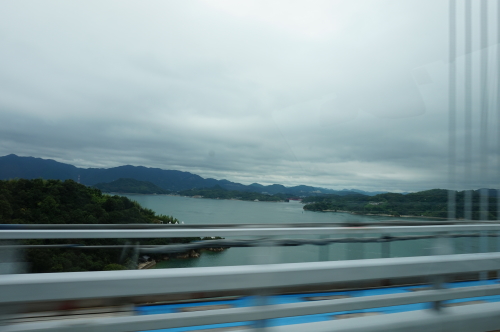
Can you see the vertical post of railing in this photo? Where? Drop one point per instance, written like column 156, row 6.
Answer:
column 468, row 193
column 362, row 248
column 386, row 246
column 350, row 252
column 483, row 247
column 10, row 263
column 452, row 112
column 261, row 300
column 484, row 192
column 443, row 247
column 134, row 259
column 443, row 244
column 123, row 255
column 468, row 245
column 498, row 122
column 354, row 250
column 498, row 246
column 262, row 295
column 484, row 242
column 324, row 250
column 438, row 283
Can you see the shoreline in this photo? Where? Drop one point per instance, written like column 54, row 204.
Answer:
column 190, row 254
column 381, row 214
column 217, row 199
column 119, row 193
column 146, row 265
column 233, row 199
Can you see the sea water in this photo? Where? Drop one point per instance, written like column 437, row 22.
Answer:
column 214, row 211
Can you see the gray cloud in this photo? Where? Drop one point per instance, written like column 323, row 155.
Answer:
column 332, row 93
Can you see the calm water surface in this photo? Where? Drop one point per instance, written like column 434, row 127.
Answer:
column 212, row 211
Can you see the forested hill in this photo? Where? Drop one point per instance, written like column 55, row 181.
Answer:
column 429, row 203
column 56, row 202
column 130, row 186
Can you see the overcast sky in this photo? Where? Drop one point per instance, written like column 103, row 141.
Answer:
column 336, row 94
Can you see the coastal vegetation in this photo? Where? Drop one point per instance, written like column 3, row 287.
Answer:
column 217, row 192
column 127, row 185
column 55, row 202
column 429, row 203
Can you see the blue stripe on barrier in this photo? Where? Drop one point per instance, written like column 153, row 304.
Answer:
column 249, row 301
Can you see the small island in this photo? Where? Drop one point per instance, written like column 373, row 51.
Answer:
column 217, row 192
column 429, row 203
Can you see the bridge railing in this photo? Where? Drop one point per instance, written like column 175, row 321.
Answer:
column 18, row 290
column 484, row 235
column 179, row 231
column 23, row 289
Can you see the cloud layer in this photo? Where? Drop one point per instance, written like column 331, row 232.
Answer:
column 334, row 94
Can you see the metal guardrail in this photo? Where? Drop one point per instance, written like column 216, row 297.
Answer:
column 22, row 289
column 265, row 234
column 173, row 231
column 19, row 289
column 259, row 242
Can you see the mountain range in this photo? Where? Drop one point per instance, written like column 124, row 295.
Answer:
column 13, row 166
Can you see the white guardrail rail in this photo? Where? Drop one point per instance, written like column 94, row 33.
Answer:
column 22, row 289
column 175, row 231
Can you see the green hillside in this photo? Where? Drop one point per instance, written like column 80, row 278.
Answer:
column 429, row 203
column 126, row 185
column 218, row 192
column 56, row 202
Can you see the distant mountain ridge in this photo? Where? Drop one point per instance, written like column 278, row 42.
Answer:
column 13, row 166
column 124, row 185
